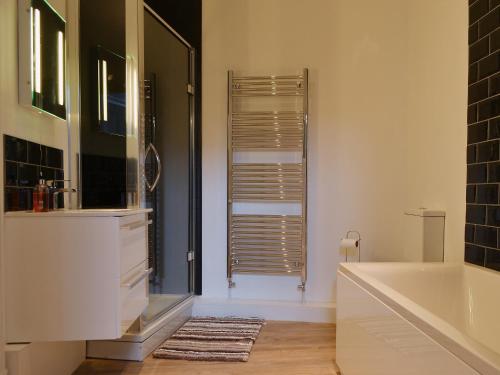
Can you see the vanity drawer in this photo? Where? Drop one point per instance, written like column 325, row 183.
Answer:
column 133, row 242
column 133, row 295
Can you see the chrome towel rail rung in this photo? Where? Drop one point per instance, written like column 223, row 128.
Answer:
column 277, row 181
column 267, row 77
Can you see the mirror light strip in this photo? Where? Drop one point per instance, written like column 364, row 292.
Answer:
column 60, row 67
column 99, row 89
column 38, row 53
column 104, row 90
column 32, row 67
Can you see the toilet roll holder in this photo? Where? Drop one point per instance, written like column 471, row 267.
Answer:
column 358, row 242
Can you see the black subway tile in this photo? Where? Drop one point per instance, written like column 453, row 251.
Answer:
column 478, row 91
column 489, row 65
column 48, row 173
column 59, row 175
column 476, row 173
column 494, row 172
column 10, row 173
column 488, row 151
column 486, row 194
column 477, row 133
column 495, row 41
column 34, row 153
column 470, row 196
column 54, row 158
column 494, row 3
column 15, row 149
column 471, row 154
column 493, row 216
column 11, row 199
column 492, row 259
column 489, row 23
column 494, row 84
column 478, row 10
column 494, row 128
column 472, row 114
column 473, row 33
column 474, row 254
column 28, row 175
column 469, row 233
column 18, row 199
column 486, row 236
column 479, row 50
column 43, row 151
column 475, row 214
column 473, row 73
column 26, row 199
column 489, row 108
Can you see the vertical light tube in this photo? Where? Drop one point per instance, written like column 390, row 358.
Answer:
column 99, row 89
column 32, row 66
column 60, row 67
column 38, row 53
column 104, row 90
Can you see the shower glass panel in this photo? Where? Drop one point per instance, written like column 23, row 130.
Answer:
column 168, row 165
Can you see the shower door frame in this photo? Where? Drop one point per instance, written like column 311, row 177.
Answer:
column 193, row 199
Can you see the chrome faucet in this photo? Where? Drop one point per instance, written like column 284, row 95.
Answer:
column 56, row 191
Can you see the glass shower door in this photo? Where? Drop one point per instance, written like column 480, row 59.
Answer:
column 168, row 165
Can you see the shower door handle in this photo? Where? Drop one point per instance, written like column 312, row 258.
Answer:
column 152, row 186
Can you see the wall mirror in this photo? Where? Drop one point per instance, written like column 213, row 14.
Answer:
column 42, row 61
column 111, row 95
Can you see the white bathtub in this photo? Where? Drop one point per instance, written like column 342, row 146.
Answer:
column 418, row 319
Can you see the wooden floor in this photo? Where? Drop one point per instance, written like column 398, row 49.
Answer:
column 282, row 348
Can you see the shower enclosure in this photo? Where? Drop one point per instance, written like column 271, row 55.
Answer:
column 169, row 167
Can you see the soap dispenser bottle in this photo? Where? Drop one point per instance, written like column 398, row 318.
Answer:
column 41, row 197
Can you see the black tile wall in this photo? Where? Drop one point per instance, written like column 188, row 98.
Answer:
column 492, row 259
column 473, row 72
column 25, row 163
column 476, row 214
column 482, row 229
column 495, row 41
column 485, row 193
column 477, row 133
column 474, row 254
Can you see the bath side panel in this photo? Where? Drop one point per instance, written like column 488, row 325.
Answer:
column 372, row 339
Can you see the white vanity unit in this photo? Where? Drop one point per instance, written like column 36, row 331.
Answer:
column 74, row 274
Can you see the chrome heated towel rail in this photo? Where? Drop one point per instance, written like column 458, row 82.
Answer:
column 267, row 127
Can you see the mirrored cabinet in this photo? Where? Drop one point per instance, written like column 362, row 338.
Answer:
column 42, row 60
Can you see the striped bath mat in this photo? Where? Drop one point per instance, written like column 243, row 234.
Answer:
column 212, row 339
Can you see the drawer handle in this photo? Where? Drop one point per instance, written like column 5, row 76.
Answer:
column 137, row 280
column 133, row 225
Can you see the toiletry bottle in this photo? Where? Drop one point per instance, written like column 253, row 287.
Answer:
column 41, row 197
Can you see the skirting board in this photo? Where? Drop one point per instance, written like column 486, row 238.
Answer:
column 314, row 312
column 136, row 347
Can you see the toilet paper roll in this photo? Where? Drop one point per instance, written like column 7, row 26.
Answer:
column 348, row 243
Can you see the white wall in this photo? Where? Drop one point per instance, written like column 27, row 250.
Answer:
column 437, row 113
column 367, row 60
column 24, row 122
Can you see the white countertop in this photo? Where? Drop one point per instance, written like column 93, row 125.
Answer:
column 81, row 212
